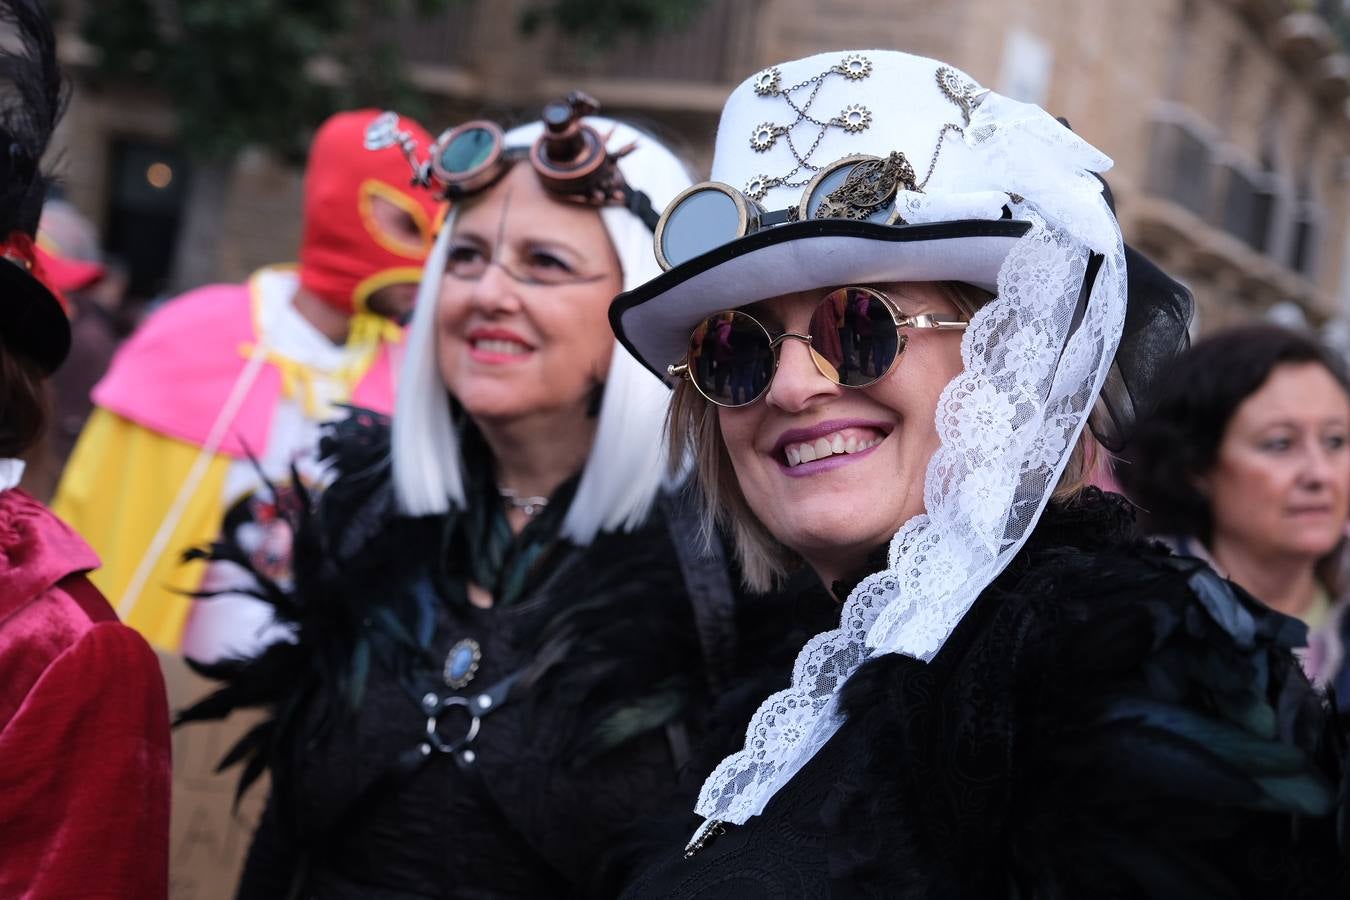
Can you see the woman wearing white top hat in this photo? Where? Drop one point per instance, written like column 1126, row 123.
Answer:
column 889, row 323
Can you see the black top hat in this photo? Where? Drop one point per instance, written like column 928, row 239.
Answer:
column 33, row 321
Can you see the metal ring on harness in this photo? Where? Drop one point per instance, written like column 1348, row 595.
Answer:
column 433, row 724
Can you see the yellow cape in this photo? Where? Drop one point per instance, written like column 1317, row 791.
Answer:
column 118, row 485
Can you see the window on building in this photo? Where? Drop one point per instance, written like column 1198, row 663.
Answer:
column 1230, row 93
column 1181, row 166
column 712, row 46
column 1027, row 63
column 1249, row 204
column 1305, row 234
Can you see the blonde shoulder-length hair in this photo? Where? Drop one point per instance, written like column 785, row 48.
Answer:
column 694, row 431
column 626, row 466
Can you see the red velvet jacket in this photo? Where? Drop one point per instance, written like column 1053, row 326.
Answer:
column 84, row 725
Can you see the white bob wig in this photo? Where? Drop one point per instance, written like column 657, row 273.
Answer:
column 627, row 463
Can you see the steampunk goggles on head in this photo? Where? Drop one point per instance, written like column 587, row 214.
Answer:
column 570, row 158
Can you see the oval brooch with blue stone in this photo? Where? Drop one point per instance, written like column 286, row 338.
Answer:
column 461, row 663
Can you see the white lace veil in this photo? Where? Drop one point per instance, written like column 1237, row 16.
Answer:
column 1035, row 359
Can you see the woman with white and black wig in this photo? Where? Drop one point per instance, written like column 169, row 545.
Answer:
column 84, row 719
column 889, row 320
column 505, row 626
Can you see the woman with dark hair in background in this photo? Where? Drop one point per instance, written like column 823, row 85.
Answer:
column 84, row 722
column 1245, row 463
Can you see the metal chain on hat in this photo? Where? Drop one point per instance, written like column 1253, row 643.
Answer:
column 932, row 163
column 853, row 118
column 961, row 91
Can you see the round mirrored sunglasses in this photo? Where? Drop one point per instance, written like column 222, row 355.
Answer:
column 856, row 336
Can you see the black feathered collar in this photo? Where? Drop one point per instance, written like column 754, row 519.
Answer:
column 1093, row 519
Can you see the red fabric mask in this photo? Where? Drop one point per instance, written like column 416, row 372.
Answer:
column 352, row 245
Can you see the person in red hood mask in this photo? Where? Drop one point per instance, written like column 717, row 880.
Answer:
column 230, row 373
column 84, row 721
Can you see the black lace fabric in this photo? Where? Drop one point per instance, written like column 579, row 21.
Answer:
column 1107, row 721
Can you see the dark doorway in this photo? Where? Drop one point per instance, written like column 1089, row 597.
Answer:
column 145, row 206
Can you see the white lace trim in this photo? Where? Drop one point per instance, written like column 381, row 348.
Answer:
column 1006, row 426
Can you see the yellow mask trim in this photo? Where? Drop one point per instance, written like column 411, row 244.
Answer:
column 371, row 284
column 372, row 188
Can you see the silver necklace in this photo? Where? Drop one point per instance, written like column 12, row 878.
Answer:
column 530, row 506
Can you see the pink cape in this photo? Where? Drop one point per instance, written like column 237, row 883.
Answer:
column 175, row 373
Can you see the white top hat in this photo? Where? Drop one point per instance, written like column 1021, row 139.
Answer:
column 969, row 159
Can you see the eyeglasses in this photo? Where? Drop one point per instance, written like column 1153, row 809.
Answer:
column 855, row 340
column 710, row 214
column 468, row 262
column 570, row 158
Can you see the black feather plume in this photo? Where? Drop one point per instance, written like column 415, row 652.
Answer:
column 315, row 681
column 32, row 98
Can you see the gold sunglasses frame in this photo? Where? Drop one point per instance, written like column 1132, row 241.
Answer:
column 922, row 320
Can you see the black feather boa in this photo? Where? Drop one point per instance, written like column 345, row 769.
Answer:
column 340, row 554
column 35, row 99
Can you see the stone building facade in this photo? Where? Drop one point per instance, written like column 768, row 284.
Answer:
column 1227, row 119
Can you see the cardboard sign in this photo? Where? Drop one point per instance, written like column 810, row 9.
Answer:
column 208, row 839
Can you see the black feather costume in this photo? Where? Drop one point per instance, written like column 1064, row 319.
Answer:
column 32, row 98
column 1108, row 721
column 611, row 663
